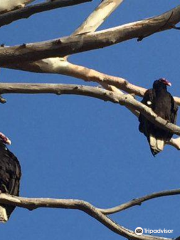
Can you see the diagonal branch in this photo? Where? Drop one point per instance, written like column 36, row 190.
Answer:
column 98, row 16
column 34, row 203
column 175, row 142
column 139, row 201
column 95, row 92
column 80, row 43
column 26, row 12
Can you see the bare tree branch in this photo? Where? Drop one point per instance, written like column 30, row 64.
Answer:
column 61, row 66
column 95, row 19
column 98, row 16
column 7, row 6
column 26, row 12
column 80, row 43
column 175, row 142
column 139, row 201
column 111, row 83
column 95, row 92
column 20, row 56
column 34, row 203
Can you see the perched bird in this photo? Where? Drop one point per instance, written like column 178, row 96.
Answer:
column 10, row 174
column 163, row 104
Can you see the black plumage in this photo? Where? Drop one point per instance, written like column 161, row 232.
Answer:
column 163, row 104
column 10, row 174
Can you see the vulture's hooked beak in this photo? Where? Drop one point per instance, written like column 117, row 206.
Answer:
column 8, row 141
column 5, row 139
column 166, row 82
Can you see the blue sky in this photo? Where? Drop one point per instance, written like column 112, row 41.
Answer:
column 84, row 148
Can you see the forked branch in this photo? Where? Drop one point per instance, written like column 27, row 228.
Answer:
column 96, row 213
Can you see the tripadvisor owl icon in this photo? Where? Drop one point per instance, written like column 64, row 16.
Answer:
column 139, row 231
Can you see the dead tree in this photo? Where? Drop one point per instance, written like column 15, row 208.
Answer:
column 53, row 57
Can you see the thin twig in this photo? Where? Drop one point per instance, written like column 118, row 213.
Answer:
column 139, row 201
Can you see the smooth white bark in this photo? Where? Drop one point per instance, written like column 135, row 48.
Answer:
column 9, row 5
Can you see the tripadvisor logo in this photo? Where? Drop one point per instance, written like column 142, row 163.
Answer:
column 139, row 231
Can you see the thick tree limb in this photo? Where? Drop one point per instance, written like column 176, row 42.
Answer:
column 34, row 203
column 75, row 44
column 26, row 12
column 60, row 65
column 95, row 92
column 96, row 18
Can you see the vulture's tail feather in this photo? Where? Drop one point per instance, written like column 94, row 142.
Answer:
column 3, row 215
column 156, row 145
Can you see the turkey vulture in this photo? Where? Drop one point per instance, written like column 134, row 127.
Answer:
column 163, row 104
column 10, row 174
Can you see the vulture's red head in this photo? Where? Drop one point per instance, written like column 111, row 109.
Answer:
column 4, row 139
column 161, row 83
